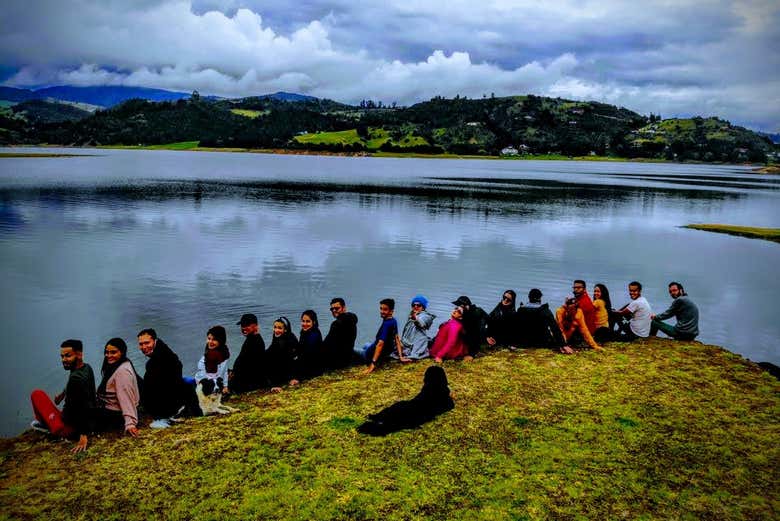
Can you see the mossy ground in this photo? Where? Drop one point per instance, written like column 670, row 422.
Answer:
column 651, row 430
column 753, row 232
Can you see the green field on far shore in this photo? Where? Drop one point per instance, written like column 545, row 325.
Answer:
column 769, row 234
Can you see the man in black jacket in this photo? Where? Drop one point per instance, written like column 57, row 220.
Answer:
column 340, row 340
column 248, row 371
column 163, row 389
column 535, row 325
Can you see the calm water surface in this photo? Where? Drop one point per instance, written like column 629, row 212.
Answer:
column 101, row 246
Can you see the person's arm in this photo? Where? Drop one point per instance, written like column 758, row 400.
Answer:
column 127, row 395
column 669, row 313
column 400, row 348
column 626, row 310
column 377, row 353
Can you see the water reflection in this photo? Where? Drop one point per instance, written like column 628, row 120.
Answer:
column 96, row 258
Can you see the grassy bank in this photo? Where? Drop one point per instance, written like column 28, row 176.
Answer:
column 769, row 234
column 654, row 430
column 35, row 154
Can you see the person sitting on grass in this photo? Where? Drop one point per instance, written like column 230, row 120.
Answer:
column 164, row 393
column 603, row 308
column 279, row 358
column 310, row 360
column 414, row 338
column 213, row 364
column 248, row 371
column 637, row 312
column 500, row 320
column 75, row 419
column 450, row 341
column 474, row 322
column 339, row 343
column 433, row 400
column 118, row 394
column 571, row 322
column 684, row 310
column 535, row 325
column 377, row 351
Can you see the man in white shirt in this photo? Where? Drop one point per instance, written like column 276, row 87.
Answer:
column 639, row 312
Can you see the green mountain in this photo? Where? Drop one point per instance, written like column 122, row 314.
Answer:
column 709, row 139
column 487, row 126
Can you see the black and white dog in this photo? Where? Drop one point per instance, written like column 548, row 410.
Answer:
column 209, row 395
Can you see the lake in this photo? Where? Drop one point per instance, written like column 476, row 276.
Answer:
column 100, row 246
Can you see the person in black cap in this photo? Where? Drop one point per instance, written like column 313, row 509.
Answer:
column 248, row 371
column 535, row 325
column 474, row 321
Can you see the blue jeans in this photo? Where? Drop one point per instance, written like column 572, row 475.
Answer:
column 366, row 351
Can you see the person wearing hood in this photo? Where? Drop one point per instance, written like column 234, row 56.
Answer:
column 280, row 356
column 164, row 391
column 118, row 394
column 309, row 361
column 535, row 325
column 339, row 343
column 414, row 337
column 248, row 372
column 213, row 364
column 433, row 400
column 499, row 323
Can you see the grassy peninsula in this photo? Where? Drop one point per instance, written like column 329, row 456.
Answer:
column 769, row 234
column 653, row 430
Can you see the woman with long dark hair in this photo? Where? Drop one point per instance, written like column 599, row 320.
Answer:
column 500, row 320
column 603, row 306
column 118, row 394
column 213, row 364
column 280, row 355
column 309, row 358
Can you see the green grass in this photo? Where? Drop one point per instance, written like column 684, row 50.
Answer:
column 250, row 113
column 769, row 234
column 42, row 154
column 344, row 137
column 651, row 430
column 181, row 145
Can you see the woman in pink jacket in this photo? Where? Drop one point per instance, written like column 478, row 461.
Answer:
column 449, row 342
column 118, row 394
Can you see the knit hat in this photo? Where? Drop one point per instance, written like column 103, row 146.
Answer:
column 420, row 300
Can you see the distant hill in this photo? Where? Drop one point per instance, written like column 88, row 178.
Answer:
column 110, row 96
column 38, row 111
column 485, row 126
column 705, row 139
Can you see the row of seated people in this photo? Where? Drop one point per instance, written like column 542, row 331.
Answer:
column 163, row 392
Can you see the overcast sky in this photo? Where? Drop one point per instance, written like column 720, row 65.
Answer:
column 676, row 58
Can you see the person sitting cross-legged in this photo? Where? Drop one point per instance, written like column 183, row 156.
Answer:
column 571, row 322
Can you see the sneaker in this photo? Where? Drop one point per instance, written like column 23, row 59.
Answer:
column 38, row 426
column 160, row 424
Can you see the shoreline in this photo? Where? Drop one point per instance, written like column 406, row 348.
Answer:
column 772, row 169
column 689, row 425
column 751, row 232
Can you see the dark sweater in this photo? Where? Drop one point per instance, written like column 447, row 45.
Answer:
column 535, row 326
column 309, row 358
column 340, row 341
column 163, row 392
column 474, row 322
column 80, row 400
column 279, row 359
column 249, row 368
column 687, row 315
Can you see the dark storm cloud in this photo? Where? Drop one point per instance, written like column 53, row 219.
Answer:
column 681, row 58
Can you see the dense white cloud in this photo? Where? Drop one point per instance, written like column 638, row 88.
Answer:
column 688, row 57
